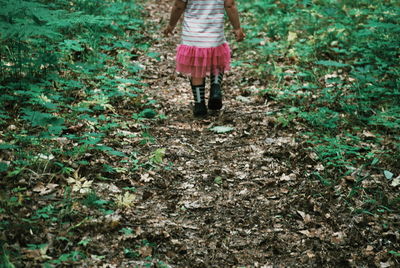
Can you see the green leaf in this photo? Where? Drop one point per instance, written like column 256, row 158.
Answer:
column 40, row 119
column 154, row 55
column 107, row 211
column 375, row 161
column 6, row 146
column 72, row 45
column 148, row 113
column 127, row 231
column 84, row 242
column 222, row 129
column 158, row 155
column 218, row 180
column 388, row 174
column 132, row 189
column 330, row 63
column 394, row 253
column 3, row 167
column 63, row 238
column 100, row 202
column 129, row 253
column 36, row 246
column 64, row 257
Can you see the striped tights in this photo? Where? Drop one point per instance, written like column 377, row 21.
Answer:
column 199, row 90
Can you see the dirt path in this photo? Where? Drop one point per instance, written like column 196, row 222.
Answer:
column 227, row 199
column 242, row 198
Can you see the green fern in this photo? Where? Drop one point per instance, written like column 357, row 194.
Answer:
column 4, row 260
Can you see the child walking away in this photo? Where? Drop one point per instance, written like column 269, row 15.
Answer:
column 204, row 51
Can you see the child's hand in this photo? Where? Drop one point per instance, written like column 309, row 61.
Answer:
column 240, row 35
column 169, row 31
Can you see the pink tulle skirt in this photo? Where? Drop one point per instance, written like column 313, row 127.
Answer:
column 201, row 62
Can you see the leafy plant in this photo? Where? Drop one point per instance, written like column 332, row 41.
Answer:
column 67, row 78
column 334, row 66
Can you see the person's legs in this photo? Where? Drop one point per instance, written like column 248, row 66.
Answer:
column 217, row 79
column 197, row 81
column 215, row 100
column 198, row 89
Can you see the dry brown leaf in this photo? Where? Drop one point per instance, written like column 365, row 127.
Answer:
column 146, row 178
column 44, row 189
column 338, row 237
column 285, row 177
column 368, row 134
column 306, row 217
column 126, row 200
column 146, row 251
column 306, row 233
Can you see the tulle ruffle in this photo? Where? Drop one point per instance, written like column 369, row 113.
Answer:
column 201, row 62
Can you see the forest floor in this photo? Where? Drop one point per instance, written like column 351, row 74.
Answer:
column 243, row 198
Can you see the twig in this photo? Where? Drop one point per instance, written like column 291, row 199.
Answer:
column 191, row 146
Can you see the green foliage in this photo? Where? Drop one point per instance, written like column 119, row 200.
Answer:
column 148, row 113
column 44, row 48
column 68, row 76
column 157, row 156
column 4, row 259
column 337, row 37
column 72, row 256
column 335, row 66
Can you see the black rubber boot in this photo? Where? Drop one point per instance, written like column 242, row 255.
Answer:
column 215, row 100
column 200, row 109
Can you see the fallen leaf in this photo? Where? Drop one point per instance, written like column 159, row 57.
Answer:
column 146, row 178
column 337, row 237
column 310, row 254
column 243, row 99
column 113, row 220
column 222, row 129
column 46, row 157
column 385, row 264
column 396, row 182
column 126, row 200
column 44, row 189
column 270, row 140
column 305, row 232
column 284, row 190
column 388, row 174
column 292, row 36
column 368, row 134
column 306, row 217
column 146, row 251
column 285, row 177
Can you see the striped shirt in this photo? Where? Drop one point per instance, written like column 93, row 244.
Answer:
column 203, row 23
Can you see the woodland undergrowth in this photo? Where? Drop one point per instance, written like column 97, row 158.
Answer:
column 72, row 111
column 334, row 66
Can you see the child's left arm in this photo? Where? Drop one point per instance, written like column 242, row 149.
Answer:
column 176, row 12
